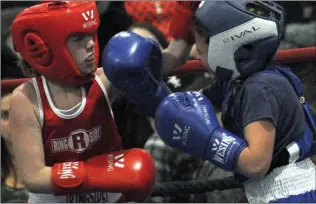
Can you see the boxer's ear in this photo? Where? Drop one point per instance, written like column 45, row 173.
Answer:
column 27, row 70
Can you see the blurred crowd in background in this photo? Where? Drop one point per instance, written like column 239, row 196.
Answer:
column 151, row 19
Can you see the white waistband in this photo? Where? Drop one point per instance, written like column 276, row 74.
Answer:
column 86, row 197
column 292, row 179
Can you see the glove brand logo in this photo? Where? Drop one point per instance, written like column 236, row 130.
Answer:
column 177, row 134
column 205, row 113
column 221, row 146
column 241, row 34
column 88, row 15
column 204, row 107
column 215, row 145
column 67, row 170
column 117, row 161
column 77, row 141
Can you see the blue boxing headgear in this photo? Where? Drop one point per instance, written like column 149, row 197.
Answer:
column 240, row 41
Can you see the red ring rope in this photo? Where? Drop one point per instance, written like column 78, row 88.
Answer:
column 296, row 55
column 7, row 86
column 282, row 56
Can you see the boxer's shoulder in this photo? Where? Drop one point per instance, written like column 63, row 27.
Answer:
column 269, row 79
column 24, row 97
column 24, row 92
column 270, row 85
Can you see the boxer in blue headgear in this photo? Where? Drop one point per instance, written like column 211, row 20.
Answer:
column 268, row 133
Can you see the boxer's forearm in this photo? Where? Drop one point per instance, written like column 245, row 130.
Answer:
column 175, row 55
column 251, row 165
column 255, row 160
column 219, row 118
column 39, row 182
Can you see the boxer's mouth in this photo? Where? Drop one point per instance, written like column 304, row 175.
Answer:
column 90, row 58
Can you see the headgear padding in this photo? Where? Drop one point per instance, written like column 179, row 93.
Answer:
column 241, row 42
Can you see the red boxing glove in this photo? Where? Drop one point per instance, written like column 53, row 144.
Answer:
column 180, row 24
column 131, row 172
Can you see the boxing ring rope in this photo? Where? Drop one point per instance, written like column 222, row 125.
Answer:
column 193, row 187
column 7, row 86
column 282, row 56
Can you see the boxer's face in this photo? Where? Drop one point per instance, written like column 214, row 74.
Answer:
column 201, row 48
column 81, row 48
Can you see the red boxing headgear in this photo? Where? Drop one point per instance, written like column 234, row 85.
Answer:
column 40, row 34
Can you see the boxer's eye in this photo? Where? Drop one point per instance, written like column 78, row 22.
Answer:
column 90, row 35
column 4, row 114
column 77, row 38
column 257, row 10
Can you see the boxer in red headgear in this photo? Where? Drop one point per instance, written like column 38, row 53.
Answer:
column 65, row 139
column 44, row 35
column 62, row 128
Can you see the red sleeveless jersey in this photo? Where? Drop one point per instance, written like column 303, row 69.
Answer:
column 86, row 132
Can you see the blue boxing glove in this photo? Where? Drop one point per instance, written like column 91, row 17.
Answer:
column 186, row 121
column 133, row 64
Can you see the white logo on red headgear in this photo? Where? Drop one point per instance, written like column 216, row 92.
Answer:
column 201, row 4
column 89, row 18
column 87, row 15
